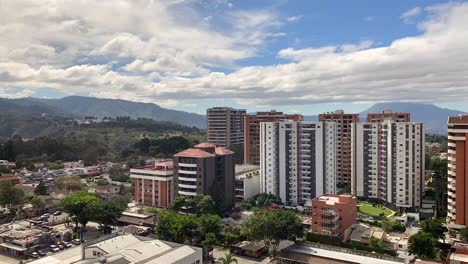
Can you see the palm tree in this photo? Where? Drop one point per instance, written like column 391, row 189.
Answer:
column 227, row 259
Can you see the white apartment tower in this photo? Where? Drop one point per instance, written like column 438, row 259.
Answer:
column 298, row 160
column 388, row 162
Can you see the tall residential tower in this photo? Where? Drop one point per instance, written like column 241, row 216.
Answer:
column 388, row 162
column 457, row 212
column 298, row 160
column 252, row 132
column 343, row 122
column 225, row 126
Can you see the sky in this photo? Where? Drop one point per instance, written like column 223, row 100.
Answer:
column 295, row 56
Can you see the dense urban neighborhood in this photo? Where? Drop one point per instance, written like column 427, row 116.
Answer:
column 263, row 187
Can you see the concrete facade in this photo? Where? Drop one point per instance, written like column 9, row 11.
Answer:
column 153, row 184
column 343, row 122
column 225, row 126
column 252, row 132
column 205, row 169
column 333, row 214
column 298, row 160
column 388, row 162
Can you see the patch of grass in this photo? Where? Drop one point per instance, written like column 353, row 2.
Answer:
column 373, row 209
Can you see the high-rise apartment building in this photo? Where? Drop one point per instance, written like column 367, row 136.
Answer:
column 457, row 209
column 252, row 132
column 332, row 214
column 388, row 162
column 153, row 184
column 225, row 126
column 205, row 169
column 388, row 115
column 344, row 122
column 298, row 160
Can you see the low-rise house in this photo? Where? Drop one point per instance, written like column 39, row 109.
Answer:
column 20, row 239
column 105, row 191
column 139, row 219
column 9, row 177
column 363, row 233
column 398, row 242
column 28, row 189
column 248, row 248
column 73, row 164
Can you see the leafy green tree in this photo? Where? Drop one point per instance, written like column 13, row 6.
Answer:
column 11, row 197
column 108, row 211
column 176, row 227
column 228, row 259
column 69, row 183
column 433, row 227
column 439, row 183
column 41, row 189
column 232, row 234
column 37, row 204
column 393, row 226
column 208, row 241
column 464, row 234
column 422, row 245
column 273, row 226
column 198, row 205
column 210, row 224
column 82, row 206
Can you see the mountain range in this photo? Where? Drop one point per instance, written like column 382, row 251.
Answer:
column 14, row 113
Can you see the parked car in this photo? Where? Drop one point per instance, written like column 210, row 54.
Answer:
column 67, row 244
column 34, row 255
column 54, row 248
column 46, row 215
column 61, row 247
column 76, row 242
column 42, row 253
column 57, row 213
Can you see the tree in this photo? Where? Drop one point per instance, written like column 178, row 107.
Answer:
column 11, row 197
column 108, row 211
column 228, row 259
column 208, row 241
column 464, row 234
column 69, row 183
column 232, row 234
column 393, row 226
column 439, row 183
column 422, row 245
column 176, row 227
column 82, row 206
column 433, row 227
column 41, row 189
column 198, row 205
column 37, row 204
column 273, row 226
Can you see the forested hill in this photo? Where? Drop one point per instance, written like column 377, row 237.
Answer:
column 98, row 107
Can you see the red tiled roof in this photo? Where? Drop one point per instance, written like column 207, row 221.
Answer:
column 193, row 152
column 458, row 119
column 205, row 145
column 223, row 151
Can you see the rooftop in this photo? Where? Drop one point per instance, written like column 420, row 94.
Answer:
column 331, row 199
column 159, row 165
column 458, row 119
column 205, row 145
column 195, row 153
column 243, row 168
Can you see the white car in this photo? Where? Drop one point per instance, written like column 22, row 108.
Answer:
column 54, row 248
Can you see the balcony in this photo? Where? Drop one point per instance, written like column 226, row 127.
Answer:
column 187, row 172
column 188, row 186
column 187, row 179
column 188, row 165
column 187, row 193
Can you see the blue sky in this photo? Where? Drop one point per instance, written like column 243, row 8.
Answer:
column 295, row 56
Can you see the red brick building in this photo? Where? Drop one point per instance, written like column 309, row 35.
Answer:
column 153, row 184
column 252, row 132
column 332, row 214
column 388, row 115
column 344, row 122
